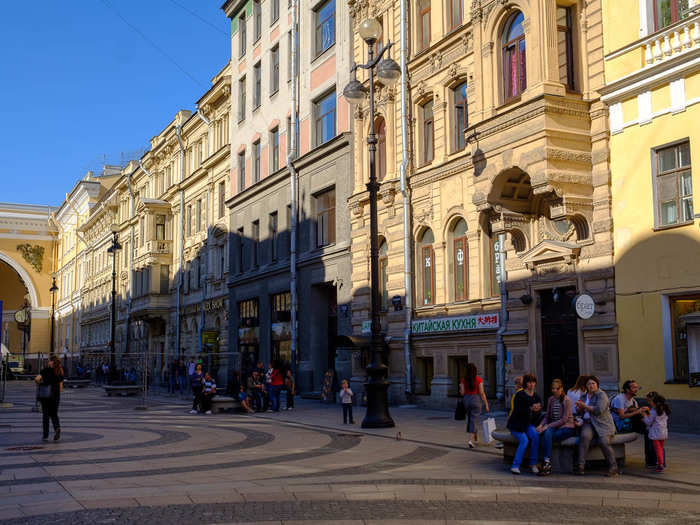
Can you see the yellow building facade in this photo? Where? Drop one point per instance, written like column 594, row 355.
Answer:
column 652, row 69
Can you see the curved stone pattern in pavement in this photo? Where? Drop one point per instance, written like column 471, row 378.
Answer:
column 118, row 465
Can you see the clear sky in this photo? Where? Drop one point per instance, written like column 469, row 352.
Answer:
column 78, row 82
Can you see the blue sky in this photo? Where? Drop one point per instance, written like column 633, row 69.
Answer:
column 78, row 83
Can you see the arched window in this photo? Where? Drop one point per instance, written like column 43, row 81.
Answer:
column 423, row 24
column 427, row 264
column 460, row 260
column 383, row 275
column 380, row 129
column 514, row 78
column 459, row 97
column 428, row 132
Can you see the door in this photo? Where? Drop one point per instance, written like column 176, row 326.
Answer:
column 559, row 337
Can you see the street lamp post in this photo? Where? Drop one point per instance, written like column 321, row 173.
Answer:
column 113, row 250
column 388, row 71
column 53, row 291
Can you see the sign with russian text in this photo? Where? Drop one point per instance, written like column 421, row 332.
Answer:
column 454, row 324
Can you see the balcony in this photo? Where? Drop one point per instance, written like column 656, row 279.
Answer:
column 150, row 305
column 154, row 249
column 672, row 41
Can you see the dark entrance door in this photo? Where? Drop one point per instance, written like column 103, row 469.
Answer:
column 559, row 337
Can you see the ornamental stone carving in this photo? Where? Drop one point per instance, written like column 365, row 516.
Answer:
column 34, row 255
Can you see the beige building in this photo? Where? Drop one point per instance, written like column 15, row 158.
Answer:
column 507, row 141
column 260, row 280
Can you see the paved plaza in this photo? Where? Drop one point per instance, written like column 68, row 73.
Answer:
column 116, row 464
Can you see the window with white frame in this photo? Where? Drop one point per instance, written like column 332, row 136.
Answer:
column 673, row 185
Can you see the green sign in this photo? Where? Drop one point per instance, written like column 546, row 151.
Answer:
column 454, row 324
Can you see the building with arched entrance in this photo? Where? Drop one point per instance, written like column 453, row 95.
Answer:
column 26, row 264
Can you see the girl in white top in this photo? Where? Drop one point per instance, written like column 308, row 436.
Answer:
column 656, row 420
column 577, row 390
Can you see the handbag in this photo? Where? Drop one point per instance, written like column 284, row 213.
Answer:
column 44, row 392
column 460, row 411
column 488, row 426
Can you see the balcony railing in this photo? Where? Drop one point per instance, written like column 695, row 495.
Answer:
column 672, row 41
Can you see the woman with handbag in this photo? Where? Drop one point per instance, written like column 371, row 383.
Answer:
column 471, row 386
column 50, row 383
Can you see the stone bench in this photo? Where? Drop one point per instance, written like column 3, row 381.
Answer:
column 123, row 390
column 564, row 452
column 76, row 383
column 224, row 404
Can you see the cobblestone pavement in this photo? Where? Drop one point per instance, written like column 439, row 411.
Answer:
column 115, row 464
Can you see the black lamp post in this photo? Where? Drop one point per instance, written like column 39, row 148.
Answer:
column 53, row 291
column 388, row 71
column 113, row 250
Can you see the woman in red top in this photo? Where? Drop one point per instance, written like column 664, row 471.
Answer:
column 472, row 388
column 275, row 387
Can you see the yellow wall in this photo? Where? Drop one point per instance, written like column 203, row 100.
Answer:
column 647, row 262
column 616, row 34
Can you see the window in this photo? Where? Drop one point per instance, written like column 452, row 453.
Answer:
column 241, row 35
column 325, row 218
column 428, row 132
column 383, row 275
column 274, row 11
column 189, row 220
column 274, row 149
column 256, row 161
column 241, row 171
column 222, row 198
column 199, row 215
column 380, row 126
column 459, row 96
column 455, row 13
column 423, row 24
column 274, row 70
column 255, row 238
column 257, row 20
column 325, row 26
column 324, row 117
column 289, row 135
column 460, row 260
column 673, row 185
column 272, row 224
column 427, row 273
column 160, row 227
column 241, row 99
column 514, row 78
column 164, row 278
column 142, row 229
column 667, row 12
column 681, row 306
column 289, row 56
column 565, row 48
column 257, row 79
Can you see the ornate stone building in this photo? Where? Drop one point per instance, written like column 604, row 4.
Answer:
column 507, row 142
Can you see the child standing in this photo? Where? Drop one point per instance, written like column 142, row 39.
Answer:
column 656, row 420
column 346, row 400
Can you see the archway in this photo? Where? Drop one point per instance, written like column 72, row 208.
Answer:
column 24, row 276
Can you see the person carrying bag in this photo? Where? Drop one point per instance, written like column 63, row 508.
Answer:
column 50, row 383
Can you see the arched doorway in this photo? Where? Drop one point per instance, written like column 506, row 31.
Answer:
column 15, row 296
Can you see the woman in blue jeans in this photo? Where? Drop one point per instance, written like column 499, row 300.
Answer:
column 557, row 425
column 527, row 411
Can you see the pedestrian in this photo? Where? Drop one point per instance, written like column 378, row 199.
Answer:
column 527, row 408
column 557, row 425
column 656, row 420
column 243, row 398
column 182, row 376
column 208, row 392
column 291, row 389
column 50, row 382
column 196, row 383
column 255, row 390
column 275, row 388
column 191, row 367
column 594, row 409
column 471, row 386
column 625, row 411
column 579, row 388
column 346, row 400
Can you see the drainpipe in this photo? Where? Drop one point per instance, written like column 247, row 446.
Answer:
column 407, row 245
column 206, row 245
column 178, row 134
column 500, row 345
column 132, row 213
column 293, row 190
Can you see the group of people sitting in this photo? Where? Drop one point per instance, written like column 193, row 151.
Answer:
column 584, row 411
column 263, row 389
